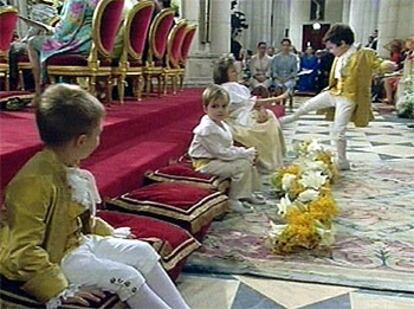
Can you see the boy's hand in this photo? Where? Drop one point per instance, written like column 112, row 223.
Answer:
column 82, row 296
column 252, row 154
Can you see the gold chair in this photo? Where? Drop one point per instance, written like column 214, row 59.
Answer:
column 157, row 42
column 172, row 69
column 136, row 27
column 106, row 20
column 185, row 50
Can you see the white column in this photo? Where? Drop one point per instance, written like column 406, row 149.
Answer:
column 346, row 11
column 299, row 15
column 364, row 18
column 200, row 63
column 396, row 21
column 387, row 24
column 281, row 18
column 220, row 26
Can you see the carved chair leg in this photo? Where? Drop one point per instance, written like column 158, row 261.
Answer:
column 140, row 86
column 92, row 85
column 21, row 85
column 121, row 88
column 6, row 81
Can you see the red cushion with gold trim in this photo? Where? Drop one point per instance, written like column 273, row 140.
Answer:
column 190, row 207
column 173, row 243
column 184, row 173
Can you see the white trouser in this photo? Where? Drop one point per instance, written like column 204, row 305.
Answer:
column 343, row 112
column 127, row 267
column 244, row 176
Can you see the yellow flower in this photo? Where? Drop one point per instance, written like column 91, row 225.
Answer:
column 324, row 208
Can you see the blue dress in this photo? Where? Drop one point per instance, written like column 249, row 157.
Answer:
column 307, row 82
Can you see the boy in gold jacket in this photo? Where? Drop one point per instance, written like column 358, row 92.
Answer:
column 348, row 96
column 51, row 239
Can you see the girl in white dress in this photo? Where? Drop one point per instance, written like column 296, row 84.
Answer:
column 251, row 124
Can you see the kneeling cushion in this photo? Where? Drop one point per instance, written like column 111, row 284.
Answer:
column 190, row 207
column 184, row 173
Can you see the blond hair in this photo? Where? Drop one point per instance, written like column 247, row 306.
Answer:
column 213, row 93
column 66, row 111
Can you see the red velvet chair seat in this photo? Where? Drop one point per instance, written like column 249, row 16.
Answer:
column 184, row 173
column 12, row 296
column 23, row 58
column 75, row 60
column 173, row 243
column 190, row 207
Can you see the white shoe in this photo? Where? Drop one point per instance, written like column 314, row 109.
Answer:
column 256, row 200
column 343, row 165
column 237, row 206
column 287, row 119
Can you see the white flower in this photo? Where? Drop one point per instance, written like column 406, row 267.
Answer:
column 308, row 195
column 283, row 206
column 327, row 235
column 287, row 181
column 315, row 146
column 313, row 180
column 317, row 166
column 276, row 229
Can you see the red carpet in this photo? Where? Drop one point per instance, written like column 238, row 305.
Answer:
column 137, row 136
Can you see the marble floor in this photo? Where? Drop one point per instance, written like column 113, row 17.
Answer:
column 387, row 138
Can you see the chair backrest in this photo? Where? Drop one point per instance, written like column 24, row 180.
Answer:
column 188, row 39
column 136, row 28
column 106, row 20
column 160, row 28
column 175, row 41
column 8, row 19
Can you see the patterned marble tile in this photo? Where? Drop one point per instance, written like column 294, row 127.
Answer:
column 388, row 139
column 207, row 292
column 362, row 156
column 371, row 301
column 282, row 291
column 338, row 302
column 394, row 150
column 309, row 136
column 249, row 298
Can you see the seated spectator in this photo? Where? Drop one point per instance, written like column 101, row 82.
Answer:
column 308, row 71
column 407, row 75
column 285, row 68
column 391, row 82
column 41, row 12
column 324, row 60
column 271, row 51
column 71, row 35
column 119, row 40
column 260, row 67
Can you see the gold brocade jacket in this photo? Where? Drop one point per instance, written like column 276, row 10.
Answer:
column 355, row 83
column 41, row 224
